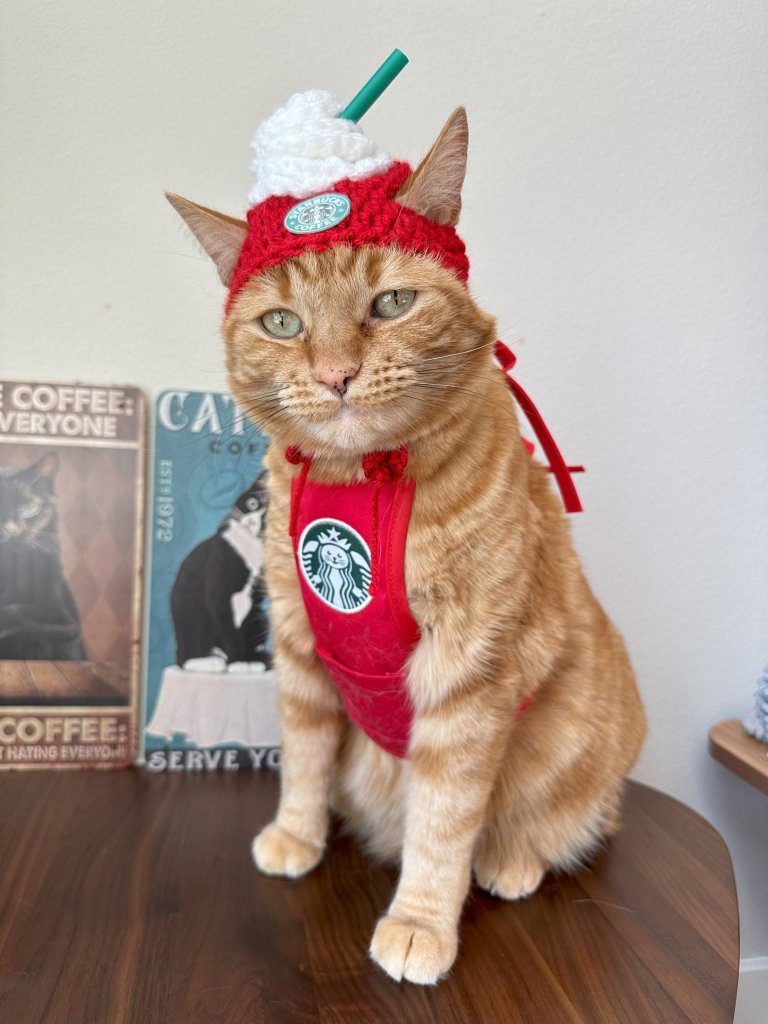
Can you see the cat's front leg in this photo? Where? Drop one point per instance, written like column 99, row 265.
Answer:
column 455, row 750
column 311, row 722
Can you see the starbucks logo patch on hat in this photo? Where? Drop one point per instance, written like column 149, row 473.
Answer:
column 317, row 214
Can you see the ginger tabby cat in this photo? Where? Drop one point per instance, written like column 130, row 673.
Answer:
column 492, row 580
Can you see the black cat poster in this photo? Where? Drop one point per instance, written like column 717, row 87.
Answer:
column 211, row 695
column 71, row 504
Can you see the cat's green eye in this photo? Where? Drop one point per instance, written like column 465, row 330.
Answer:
column 393, row 303
column 282, row 323
column 30, row 509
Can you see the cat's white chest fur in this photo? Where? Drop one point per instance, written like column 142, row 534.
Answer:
column 243, row 537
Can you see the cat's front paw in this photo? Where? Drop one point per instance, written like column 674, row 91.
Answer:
column 214, row 663
column 241, row 667
column 411, row 949
column 277, row 852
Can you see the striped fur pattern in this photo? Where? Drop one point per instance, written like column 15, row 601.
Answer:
column 492, row 580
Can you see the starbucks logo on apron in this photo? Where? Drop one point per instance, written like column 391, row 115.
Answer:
column 336, row 563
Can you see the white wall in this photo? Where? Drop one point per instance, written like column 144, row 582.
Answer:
column 615, row 213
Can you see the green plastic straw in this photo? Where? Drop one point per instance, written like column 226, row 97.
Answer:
column 375, row 86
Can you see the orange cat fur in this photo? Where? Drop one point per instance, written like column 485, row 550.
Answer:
column 492, row 580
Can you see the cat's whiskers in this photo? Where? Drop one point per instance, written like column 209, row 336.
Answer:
column 46, row 544
column 462, row 354
column 449, row 387
column 506, row 406
column 272, row 410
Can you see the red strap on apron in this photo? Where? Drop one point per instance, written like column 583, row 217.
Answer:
column 381, row 468
column 557, row 463
column 296, row 457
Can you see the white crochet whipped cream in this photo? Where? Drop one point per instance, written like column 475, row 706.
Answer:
column 304, row 148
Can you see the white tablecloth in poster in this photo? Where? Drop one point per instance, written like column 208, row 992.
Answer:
column 217, row 707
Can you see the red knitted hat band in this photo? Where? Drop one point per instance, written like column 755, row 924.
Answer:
column 374, row 218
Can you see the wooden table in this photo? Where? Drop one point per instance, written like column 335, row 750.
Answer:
column 63, row 683
column 743, row 754
column 130, row 898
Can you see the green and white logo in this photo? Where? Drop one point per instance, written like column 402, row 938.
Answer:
column 318, row 213
column 336, row 563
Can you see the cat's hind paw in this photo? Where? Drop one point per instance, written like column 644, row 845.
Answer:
column 277, row 852
column 412, row 950
column 515, row 881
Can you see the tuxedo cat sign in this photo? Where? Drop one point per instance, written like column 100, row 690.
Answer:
column 210, row 686
column 71, row 501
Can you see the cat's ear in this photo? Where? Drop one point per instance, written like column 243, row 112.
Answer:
column 434, row 188
column 48, row 466
column 221, row 236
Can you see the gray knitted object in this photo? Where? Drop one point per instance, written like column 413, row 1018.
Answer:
column 756, row 724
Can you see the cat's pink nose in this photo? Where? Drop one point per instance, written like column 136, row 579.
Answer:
column 336, row 378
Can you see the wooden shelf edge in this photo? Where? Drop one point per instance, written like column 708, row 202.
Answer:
column 742, row 754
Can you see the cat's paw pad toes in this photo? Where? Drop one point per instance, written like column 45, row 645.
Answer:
column 515, row 881
column 277, row 852
column 411, row 950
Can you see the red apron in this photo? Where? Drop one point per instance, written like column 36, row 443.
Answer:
column 363, row 639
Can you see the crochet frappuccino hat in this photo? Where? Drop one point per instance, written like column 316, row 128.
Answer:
column 321, row 182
